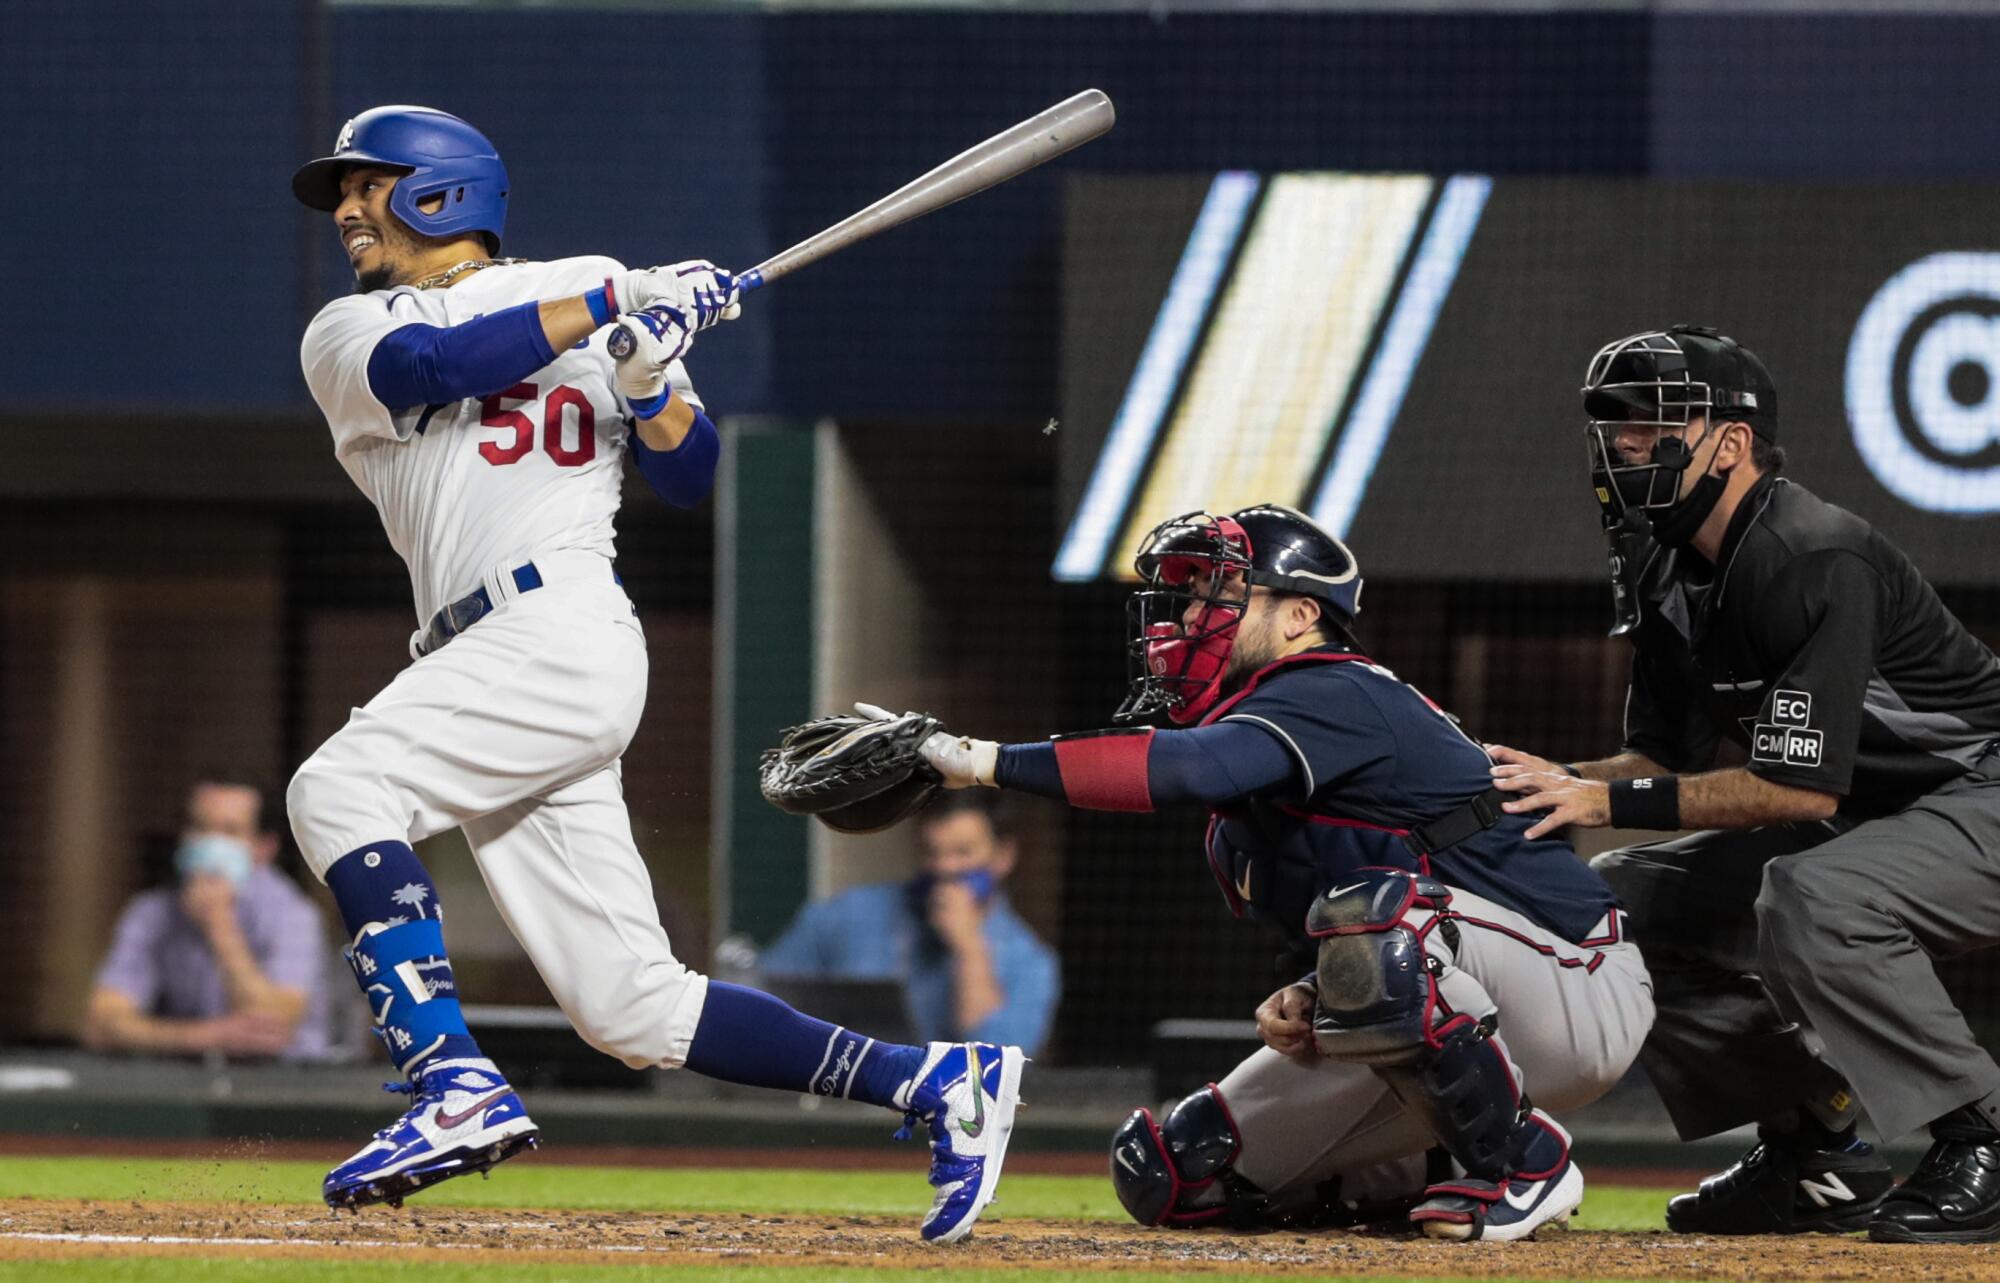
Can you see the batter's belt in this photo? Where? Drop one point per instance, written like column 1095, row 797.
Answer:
column 504, row 584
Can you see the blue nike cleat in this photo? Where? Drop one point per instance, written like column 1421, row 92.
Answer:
column 1544, row 1189
column 966, row 1092
column 465, row 1119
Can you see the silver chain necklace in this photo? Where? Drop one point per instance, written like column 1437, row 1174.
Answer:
column 452, row 273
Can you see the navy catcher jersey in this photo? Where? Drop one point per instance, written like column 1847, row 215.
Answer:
column 1376, row 759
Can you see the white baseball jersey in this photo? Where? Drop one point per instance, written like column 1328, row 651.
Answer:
column 514, row 730
column 484, row 483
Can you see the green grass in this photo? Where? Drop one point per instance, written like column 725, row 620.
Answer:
column 529, row 1184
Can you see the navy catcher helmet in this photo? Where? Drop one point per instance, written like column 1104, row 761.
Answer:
column 437, row 153
column 1178, row 653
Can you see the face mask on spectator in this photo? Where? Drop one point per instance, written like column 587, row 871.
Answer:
column 224, row 857
column 981, row 881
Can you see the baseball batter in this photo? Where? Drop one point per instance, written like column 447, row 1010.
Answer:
column 1461, row 965
column 477, row 403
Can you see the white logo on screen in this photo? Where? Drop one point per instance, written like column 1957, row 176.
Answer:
column 1923, row 383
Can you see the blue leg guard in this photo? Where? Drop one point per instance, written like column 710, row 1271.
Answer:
column 404, row 974
column 383, row 891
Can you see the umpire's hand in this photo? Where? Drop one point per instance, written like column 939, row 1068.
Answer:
column 1542, row 785
column 1285, row 1022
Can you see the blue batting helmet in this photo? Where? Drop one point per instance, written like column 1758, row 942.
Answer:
column 438, row 153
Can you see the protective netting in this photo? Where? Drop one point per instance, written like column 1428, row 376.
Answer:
column 1351, row 262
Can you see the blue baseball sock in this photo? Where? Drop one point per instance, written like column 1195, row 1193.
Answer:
column 395, row 930
column 747, row 1036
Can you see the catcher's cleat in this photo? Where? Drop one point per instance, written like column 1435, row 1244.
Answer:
column 1784, row 1187
column 967, row 1093
column 1954, row 1195
column 1541, row 1193
column 465, row 1119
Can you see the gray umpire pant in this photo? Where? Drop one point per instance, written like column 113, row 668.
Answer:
column 1753, row 937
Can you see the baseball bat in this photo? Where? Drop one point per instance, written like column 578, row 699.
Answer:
column 1008, row 154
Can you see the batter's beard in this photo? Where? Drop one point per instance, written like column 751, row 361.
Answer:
column 389, row 272
column 380, row 277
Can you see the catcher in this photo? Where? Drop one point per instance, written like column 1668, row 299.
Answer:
column 1460, row 965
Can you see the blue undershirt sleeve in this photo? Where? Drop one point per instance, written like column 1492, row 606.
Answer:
column 684, row 475
column 1204, row 764
column 436, row 365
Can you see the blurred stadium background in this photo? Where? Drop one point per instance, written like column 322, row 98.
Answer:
column 1347, row 256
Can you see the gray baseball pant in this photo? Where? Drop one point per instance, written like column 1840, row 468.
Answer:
column 1571, row 1018
column 1756, row 937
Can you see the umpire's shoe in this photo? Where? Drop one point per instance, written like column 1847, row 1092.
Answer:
column 465, row 1119
column 1786, row 1185
column 966, row 1092
column 1954, row 1195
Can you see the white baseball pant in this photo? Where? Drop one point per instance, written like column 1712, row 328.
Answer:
column 513, row 732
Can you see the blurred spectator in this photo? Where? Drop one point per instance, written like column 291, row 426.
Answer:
column 229, row 958
column 970, row 967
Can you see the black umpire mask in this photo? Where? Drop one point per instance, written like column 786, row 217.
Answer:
column 1672, row 380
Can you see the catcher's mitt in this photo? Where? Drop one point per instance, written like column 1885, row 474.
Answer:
column 855, row 774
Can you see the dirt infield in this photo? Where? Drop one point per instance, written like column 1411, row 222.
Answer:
column 33, row 1229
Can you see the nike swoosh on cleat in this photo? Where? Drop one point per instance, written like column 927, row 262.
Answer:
column 1527, row 1200
column 978, row 1123
column 445, row 1122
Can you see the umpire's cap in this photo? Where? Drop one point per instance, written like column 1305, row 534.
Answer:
column 1667, row 375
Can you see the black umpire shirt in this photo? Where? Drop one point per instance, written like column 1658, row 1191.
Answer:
column 1815, row 645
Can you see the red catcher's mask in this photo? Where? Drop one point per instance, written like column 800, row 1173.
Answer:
column 1183, row 619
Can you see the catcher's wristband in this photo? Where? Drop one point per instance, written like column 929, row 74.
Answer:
column 1650, row 803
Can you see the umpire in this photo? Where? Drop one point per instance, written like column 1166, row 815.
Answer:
column 1859, row 841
